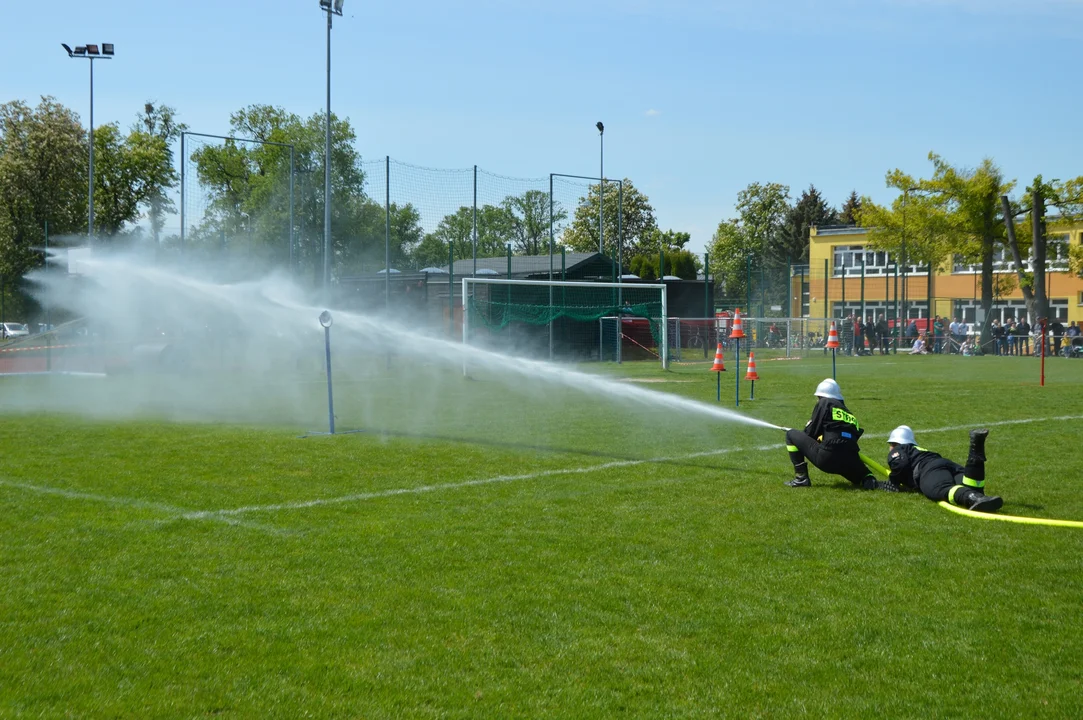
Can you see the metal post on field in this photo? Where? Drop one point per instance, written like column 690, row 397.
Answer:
column 1044, row 339
column 451, row 289
column 183, row 163
column 325, row 320
column 387, row 232
column 707, row 303
column 748, row 283
column 550, row 261
column 789, row 286
column 897, row 335
column 474, row 220
column 48, row 335
column 292, row 171
column 601, row 186
column 862, row 287
column 827, row 290
column 620, row 273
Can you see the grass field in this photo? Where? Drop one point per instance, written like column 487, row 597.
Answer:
column 491, row 548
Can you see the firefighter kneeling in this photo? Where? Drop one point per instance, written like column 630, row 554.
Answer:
column 937, row 477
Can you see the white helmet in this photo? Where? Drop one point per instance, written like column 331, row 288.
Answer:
column 902, row 435
column 828, row 389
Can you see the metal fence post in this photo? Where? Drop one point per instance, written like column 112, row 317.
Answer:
column 387, row 232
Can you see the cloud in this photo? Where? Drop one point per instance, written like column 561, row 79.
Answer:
column 653, row 113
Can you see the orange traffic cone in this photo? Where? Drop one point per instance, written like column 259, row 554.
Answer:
column 751, row 374
column 737, row 331
column 833, row 337
column 719, row 366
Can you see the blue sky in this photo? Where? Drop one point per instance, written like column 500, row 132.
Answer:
column 698, row 98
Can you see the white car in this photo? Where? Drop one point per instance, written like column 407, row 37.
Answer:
column 13, row 330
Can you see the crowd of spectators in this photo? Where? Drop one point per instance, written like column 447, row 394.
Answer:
column 864, row 336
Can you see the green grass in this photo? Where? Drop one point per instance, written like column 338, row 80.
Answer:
column 669, row 582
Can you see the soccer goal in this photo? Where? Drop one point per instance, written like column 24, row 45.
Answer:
column 564, row 320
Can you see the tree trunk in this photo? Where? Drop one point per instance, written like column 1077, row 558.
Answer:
column 1037, row 217
column 1013, row 244
column 986, row 279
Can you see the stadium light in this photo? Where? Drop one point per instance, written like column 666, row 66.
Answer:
column 332, row 7
column 90, row 52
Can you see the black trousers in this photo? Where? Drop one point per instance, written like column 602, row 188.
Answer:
column 834, row 457
column 937, row 481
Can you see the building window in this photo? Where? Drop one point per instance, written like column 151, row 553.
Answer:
column 848, row 259
column 1056, row 257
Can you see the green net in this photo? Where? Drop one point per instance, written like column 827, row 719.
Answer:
column 573, row 312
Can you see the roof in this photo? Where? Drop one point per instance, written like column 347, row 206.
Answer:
column 522, row 265
column 840, row 230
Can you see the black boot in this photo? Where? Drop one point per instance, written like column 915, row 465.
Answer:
column 977, row 443
column 979, row 502
column 800, row 480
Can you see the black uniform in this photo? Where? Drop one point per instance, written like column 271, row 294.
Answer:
column 937, row 477
column 837, row 450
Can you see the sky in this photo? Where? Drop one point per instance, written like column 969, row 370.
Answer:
column 698, row 98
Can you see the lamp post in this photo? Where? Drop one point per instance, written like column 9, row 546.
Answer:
column 332, row 7
column 601, row 185
column 90, row 52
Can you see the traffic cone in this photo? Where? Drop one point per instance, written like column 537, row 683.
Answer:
column 719, row 366
column 737, row 332
column 833, row 337
column 751, row 374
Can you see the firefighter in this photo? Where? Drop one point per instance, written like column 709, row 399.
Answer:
column 829, row 441
column 937, row 477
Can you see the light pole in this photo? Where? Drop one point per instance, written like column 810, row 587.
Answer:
column 91, row 53
column 601, row 185
column 333, row 7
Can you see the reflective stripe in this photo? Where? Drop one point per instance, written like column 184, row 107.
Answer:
column 951, row 493
column 792, row 448
column 973, row 483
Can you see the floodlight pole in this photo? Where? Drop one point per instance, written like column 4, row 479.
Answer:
column 83, row 53
column 331, row 10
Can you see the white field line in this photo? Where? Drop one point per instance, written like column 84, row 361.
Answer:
column 124, row 502
column 422, row 489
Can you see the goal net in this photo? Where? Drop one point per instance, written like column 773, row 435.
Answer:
column 564, row 320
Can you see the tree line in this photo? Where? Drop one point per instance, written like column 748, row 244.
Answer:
column 244, row 208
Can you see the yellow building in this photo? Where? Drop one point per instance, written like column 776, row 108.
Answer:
column 862, row 280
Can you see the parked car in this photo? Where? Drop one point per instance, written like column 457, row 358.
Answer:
column 13, row 329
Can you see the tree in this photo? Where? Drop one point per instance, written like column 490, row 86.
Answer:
column 850, row 208
column 637, row 221
column 129, row 173
column 750, row 240
column 160, row 122
column 531, row 222
column 811, row 209
column 1067, row 198
column 248, row 186
column 954, row 213
column 729, row 250
column 43, row 178
column 763, row 210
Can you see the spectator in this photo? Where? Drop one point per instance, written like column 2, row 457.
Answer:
column 1009, row 333
column 1057, row 328
column 938, row 335
column 997, row 333
column 953, row 332
column 1075, row 338
column 883, row 332
column 919, row 347
column 912, row 330
column 859, row 335
column 848, row 335
column 1022, row 336
column 967, row 347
